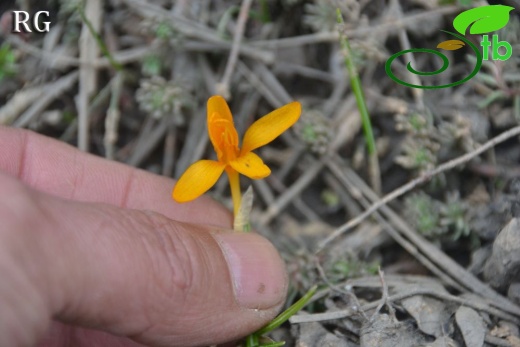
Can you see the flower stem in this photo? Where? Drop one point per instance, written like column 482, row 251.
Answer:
column 234, row 184
column 373, row 163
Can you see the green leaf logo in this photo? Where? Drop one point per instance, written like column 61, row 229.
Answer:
column 483, row 19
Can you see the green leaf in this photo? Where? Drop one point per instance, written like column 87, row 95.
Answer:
column 285, row 315
column 274, row 344
column 483, row 19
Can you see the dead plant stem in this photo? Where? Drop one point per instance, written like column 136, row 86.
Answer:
column 192, row 29
column 357, row 190
column 384, row 298
column 476, row 304
column 89, row 51
column 223, row 86
column 448, row 267
column 418, row 181
column 404, row 40
column 372, row 29
column 113, row 116
column 295, row 189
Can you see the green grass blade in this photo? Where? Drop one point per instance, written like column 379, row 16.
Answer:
column 285, row 315
column 356, row 88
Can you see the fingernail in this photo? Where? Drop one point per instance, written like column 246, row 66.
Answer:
column 257, row 271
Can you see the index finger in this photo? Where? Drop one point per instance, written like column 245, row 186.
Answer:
column 56, row 168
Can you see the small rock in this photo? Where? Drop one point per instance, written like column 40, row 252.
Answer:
column 443, row 341
column 384, row 332
column 503, row 267
column 430, row 314
column 514, row 292
column 314, row 334
column 478, row 259
column 471, row 326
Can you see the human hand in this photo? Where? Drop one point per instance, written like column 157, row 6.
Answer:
column 95, row 253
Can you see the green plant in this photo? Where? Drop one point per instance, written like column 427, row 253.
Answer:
column 424, row 214
column 102, row 46
column 314, row 130
column 418, row 154
column 7, row 61
column 152, row 65
column 355, row 83
column 330, row 198
column 163, row 98
column 438, row 220
column 357, row 89
column 164, row 31
column 321, row 15
column 454, row 217
column 258, row 339
column 350, row 267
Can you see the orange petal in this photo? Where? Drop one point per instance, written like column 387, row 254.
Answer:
column 451, row 45
column 219, row 105
column 197, row 180
column 219, row 119
column 269, row 127
column 251, row 166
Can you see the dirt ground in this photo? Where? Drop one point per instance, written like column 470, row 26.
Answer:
column 415, row 244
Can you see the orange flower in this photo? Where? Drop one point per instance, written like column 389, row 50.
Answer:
column 203, row 174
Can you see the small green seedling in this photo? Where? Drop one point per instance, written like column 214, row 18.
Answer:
column 7, row 61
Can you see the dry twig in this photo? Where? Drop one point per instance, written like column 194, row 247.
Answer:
column 223, row 87
column 418, row 181
column 477, row 305
column 89, row 51
column 384, row 298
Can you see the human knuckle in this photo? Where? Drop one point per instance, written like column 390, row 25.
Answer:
column 172, row 254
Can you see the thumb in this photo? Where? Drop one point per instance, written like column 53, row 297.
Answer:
column 139, row 274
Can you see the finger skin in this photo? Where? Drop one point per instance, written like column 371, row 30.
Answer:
column 77, row 261
column 59, row 169
column 63, row 335
column 128, row 272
